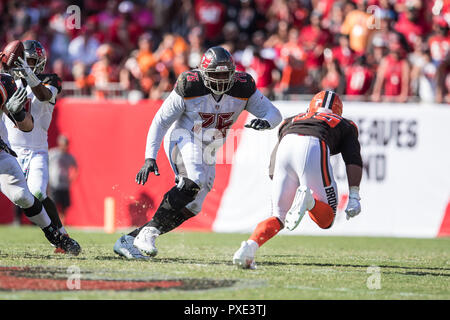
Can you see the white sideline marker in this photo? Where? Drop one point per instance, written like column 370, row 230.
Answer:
column 109, row 223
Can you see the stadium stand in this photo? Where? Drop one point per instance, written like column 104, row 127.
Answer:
column 137, row 49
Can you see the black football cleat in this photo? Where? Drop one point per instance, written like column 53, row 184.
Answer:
column 69, row 245
column 53, row 235
column 63, row 242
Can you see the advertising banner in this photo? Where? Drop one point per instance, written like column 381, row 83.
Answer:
column 405, row 189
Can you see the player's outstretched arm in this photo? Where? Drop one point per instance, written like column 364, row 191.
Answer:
column 41, row 92
column 354, row 175
column 15, row 108
column 171, row 110
column 268, row 115
column 149, row 166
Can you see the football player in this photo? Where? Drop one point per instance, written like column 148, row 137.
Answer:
column 32, row 147
column 194, row 119
column 302, row 175
column 12, row 181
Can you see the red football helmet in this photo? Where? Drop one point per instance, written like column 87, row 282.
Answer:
column 326, row 101
column 217, row 68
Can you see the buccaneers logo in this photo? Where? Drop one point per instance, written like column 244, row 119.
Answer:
column 39, row 52
column 205, row 62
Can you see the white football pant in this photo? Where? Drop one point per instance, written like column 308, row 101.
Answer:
column 34, row 165
column 12, row 182
column 302, row 161
column 186, row 158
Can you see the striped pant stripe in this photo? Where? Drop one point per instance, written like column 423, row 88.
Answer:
column 324, row 164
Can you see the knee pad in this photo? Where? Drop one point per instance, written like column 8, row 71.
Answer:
column 187, row 187
column 179, row 196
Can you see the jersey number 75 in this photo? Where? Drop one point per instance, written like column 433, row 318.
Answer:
column 222, row 121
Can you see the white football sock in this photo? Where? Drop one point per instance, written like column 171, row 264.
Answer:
column 41, row 219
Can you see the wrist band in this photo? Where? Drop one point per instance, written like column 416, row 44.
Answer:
column 32, row 80
column 354, row 191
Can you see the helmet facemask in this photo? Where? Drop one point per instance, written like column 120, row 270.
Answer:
column 218, row 80
column 39, row 65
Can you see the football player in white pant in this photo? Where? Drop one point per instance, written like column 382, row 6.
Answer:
column 194, row 120
column 302, row 175
column 32, row 147
column 12, row 181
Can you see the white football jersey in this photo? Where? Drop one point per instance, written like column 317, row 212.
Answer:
column 42, row 112
column 193, row 110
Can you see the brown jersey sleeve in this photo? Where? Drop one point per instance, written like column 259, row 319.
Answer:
column 351, row 149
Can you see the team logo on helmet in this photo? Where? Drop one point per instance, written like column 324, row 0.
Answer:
column 205, row 62
column 39, row 52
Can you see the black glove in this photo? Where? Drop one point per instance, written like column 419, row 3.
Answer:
column 258, row 124
column 15, row 104
column 149, row 166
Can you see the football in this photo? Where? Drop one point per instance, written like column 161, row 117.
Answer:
column 11, row 52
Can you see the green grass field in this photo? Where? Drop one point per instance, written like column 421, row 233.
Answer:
column 289, row 267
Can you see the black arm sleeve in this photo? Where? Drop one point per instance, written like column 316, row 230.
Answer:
column 51, row 79
column 351, row 149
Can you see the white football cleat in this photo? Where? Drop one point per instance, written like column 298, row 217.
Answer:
column 145, row 240
column 124, row 247
column 245, row 256
column 303, row 201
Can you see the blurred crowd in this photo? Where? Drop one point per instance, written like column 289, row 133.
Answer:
column 377, row 50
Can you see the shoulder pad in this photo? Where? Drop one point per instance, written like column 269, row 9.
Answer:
column 190, row 84
column 353, row 125
column 244, row 86
column 51, row 79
